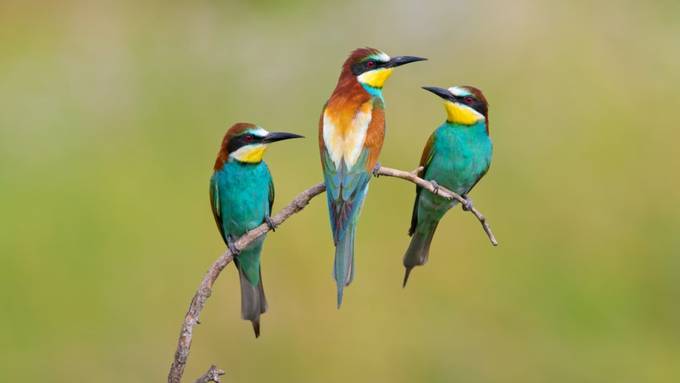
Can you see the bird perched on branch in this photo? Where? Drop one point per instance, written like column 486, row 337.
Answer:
column 456, row 156
column 351, row 132
column 241, row 196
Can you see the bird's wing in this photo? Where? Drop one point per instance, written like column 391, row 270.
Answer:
column 215, row 204
column 271, row 195
column 375, row 134
column 425, row 160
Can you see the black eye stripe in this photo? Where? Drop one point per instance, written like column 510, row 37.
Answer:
column 240, row 141
column 463, row 99
column 475, row 104
column 363, row 66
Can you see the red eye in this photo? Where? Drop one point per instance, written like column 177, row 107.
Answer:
column 248, row 138
column 370, row 64
column 469, row 100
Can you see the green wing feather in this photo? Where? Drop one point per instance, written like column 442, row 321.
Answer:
column 271, row 195
column 215, row 205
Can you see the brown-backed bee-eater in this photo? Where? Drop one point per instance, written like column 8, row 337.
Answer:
column 241, row 196
column 351, row 132
column 456, row 156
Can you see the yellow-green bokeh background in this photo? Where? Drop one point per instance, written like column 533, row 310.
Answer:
column 111, row 115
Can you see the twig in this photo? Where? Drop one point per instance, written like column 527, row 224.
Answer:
column 212, row 375
column 299, row 203
column 441, row 191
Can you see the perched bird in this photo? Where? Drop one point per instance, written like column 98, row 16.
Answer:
column 456, row 156
column 351, row 132
column 241, row 196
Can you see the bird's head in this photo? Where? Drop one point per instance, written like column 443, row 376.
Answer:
column 465, row 105
column 372, row 67
column 246, row 142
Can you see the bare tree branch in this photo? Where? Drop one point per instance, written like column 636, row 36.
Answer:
column 301, row 200
column 212, row 375
column 440, row 191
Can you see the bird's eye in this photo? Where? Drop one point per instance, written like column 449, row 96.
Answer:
column 370, row 64
column 469, row 100
column 248, row 138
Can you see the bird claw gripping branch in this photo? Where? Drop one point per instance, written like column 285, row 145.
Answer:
column 467, row 206
column 435, row 187
column 270, row 223
column 232, row 246
column 376, row 170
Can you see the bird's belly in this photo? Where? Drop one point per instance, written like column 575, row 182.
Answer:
column 457, row 174
column 243, row 214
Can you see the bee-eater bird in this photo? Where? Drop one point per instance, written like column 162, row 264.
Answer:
column 241, row 196
column 351, row 132
column 456, row 156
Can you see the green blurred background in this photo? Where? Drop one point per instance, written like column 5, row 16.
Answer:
column 111, row 116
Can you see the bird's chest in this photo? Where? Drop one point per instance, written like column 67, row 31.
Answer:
column 244, row 196
column 345, row 130
column 461, row 156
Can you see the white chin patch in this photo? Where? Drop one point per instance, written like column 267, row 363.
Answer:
column 459, row 92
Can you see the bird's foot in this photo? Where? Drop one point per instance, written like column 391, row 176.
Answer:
column 270, row 223
column 232, row 246
column 435, row 187
column 467, row 206
column 376, row 170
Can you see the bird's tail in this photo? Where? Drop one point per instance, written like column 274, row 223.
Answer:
column 419, row 249
column 253, row 301
column 343, row 269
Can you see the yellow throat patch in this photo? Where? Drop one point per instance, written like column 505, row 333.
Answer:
column 375, row 78
column 459, row 114
column 250, row 153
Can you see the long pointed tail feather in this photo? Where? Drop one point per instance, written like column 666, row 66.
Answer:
column 343, row 269
column 406, row 275
column 253, row 301
column 418, row 250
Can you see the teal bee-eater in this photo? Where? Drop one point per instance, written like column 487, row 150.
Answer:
column 351, row 132
column 241, row 196
column 456, row 156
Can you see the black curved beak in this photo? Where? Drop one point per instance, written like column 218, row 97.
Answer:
column 401, row 60
column 441, row 92
column 279, row 136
